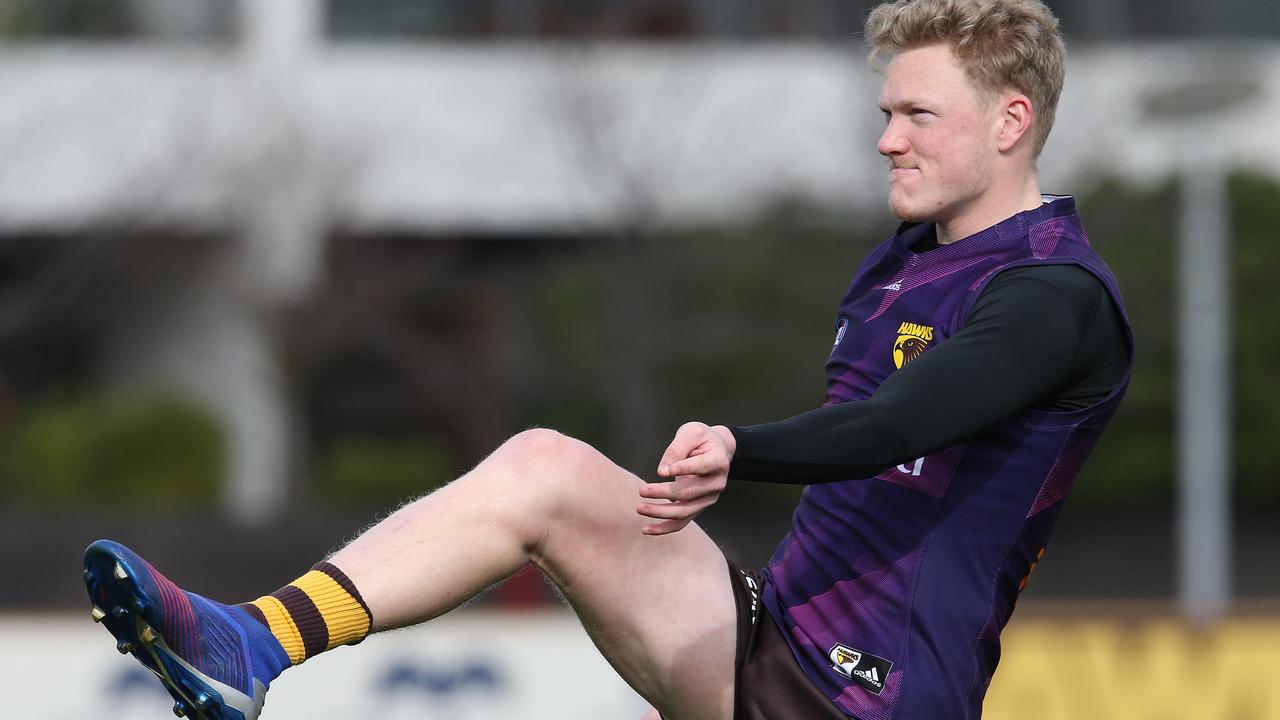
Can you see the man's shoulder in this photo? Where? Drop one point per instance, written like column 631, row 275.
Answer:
column 1029, row 291
column 1068, row 277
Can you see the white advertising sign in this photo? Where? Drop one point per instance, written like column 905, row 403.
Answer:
column 479, row 665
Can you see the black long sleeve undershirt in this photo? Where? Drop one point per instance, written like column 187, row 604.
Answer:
column 1040, row 336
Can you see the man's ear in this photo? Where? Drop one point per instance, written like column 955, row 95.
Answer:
column 1016, row 119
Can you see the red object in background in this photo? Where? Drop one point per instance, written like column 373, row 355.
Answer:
column 526, row 590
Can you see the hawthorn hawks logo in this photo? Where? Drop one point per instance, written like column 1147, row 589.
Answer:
column 867, row 670
column 912, row 340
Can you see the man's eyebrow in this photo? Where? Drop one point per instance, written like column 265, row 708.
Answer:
column 906, row 102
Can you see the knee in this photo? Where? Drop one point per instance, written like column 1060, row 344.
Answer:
column 537, row 448
column 540, row 460
column 537, row 476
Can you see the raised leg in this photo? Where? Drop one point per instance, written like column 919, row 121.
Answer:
column 660, row 608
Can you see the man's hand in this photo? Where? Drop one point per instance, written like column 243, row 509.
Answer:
column 698, row 460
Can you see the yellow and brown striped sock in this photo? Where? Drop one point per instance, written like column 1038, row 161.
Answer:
column 317, row 612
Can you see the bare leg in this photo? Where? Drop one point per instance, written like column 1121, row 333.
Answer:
column 660, row 608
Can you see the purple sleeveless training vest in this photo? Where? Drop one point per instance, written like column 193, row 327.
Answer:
column 893, row 591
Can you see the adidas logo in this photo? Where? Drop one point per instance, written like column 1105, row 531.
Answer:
column 892, row 286
column 871, row 675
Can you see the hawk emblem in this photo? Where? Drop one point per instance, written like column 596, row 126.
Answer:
column 912, row 340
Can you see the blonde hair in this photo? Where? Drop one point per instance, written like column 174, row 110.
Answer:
column 1001, row 44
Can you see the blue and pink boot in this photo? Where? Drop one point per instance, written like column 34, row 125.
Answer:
column 216, row 660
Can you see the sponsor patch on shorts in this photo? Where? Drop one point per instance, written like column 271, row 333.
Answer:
column 865, row 669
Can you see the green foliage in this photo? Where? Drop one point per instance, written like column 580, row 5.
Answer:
column 66, row 18
column 375, row 472
column 565, row 320
column 1256, row 338
column 758, row 303
column 736, row 323
column 85, row 451
column 1135, row 231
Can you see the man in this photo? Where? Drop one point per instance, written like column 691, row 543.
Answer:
column 979, row 353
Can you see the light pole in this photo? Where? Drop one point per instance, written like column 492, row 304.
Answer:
column 1203, row 341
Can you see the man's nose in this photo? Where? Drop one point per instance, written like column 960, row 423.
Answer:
column 892, row 141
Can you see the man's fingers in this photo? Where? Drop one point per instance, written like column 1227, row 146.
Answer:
column 682, row 489
column 659, row 491
column 664, row 511
column 673, row 511
column 688, row 437
column 696, row 465
column 698, row 480
column 674, row 491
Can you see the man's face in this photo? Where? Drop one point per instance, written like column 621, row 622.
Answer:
column 940, row 136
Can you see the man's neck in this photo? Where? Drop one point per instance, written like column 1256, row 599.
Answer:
column 993, row 207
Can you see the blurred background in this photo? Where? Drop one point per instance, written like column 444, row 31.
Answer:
column 268, row 270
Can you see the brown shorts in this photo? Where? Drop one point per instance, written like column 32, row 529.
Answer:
column 768, row 682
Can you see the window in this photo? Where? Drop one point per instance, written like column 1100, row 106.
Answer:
column 556, row 19
column 204, row 20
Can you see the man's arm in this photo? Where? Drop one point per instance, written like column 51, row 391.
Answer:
column 1037, row 336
